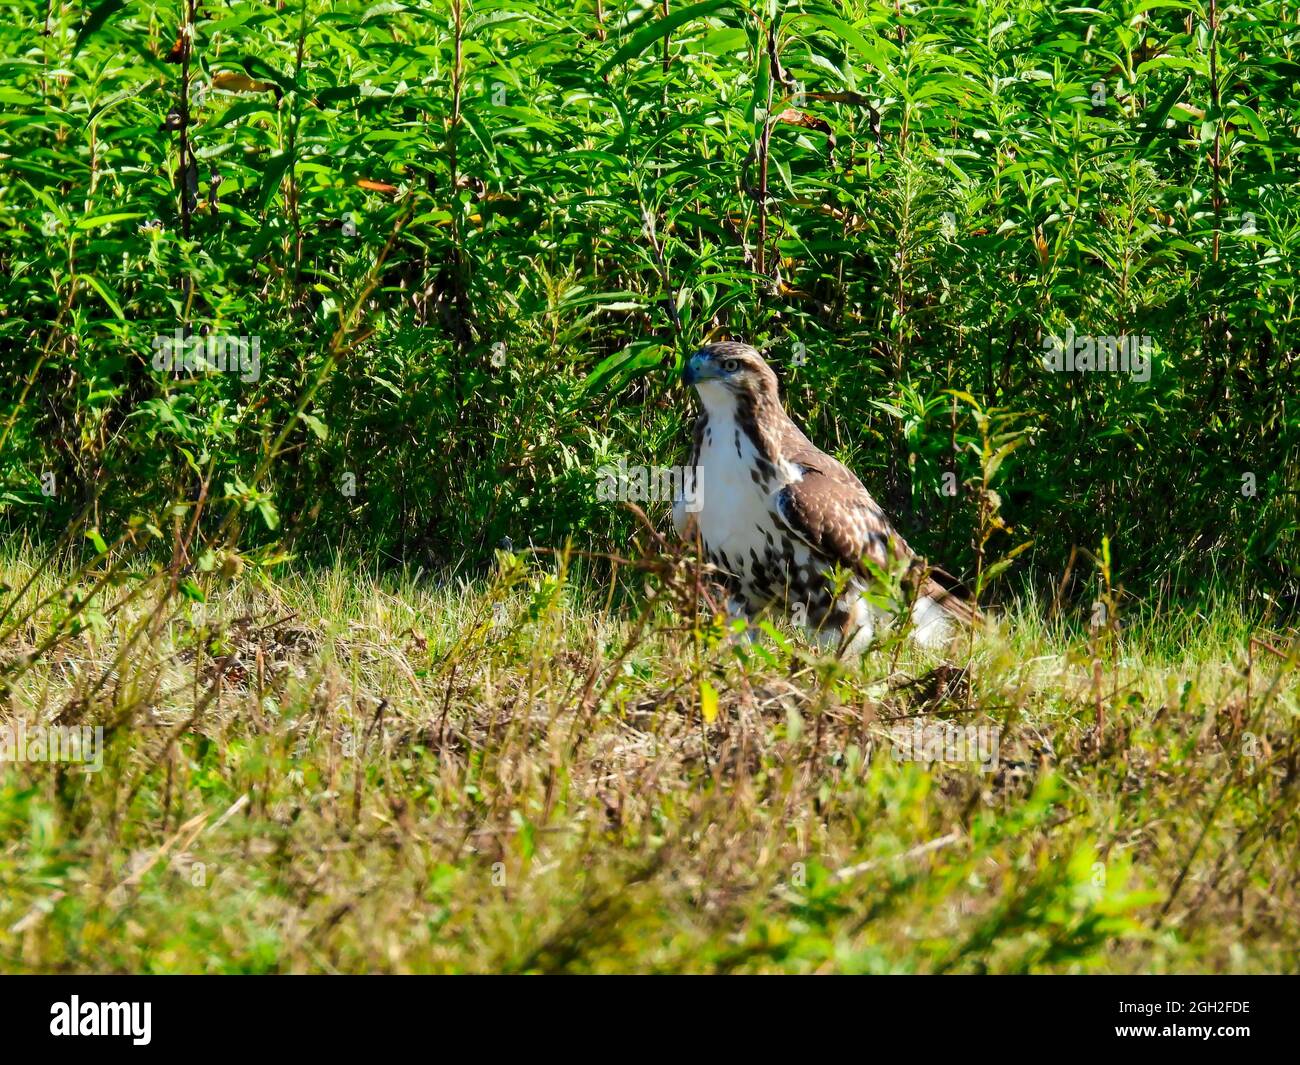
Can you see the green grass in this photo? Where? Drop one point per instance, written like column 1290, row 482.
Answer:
column 399, row 775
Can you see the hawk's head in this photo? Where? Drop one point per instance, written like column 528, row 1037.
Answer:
column 726, row 372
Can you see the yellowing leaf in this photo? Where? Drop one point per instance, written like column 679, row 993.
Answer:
column 232, row 81
column 708, row 702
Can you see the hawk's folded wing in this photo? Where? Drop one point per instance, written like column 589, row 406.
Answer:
column 830, row 511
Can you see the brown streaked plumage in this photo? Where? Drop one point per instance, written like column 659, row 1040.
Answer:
column 779, row 516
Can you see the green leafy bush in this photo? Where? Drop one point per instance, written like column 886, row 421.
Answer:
column 473, row 241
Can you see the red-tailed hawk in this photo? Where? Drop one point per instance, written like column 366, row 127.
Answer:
column 778, row 517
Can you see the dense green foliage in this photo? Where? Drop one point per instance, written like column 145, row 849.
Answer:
column 474, row 239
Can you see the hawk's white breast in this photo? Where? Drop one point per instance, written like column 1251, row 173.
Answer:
column 737, row 515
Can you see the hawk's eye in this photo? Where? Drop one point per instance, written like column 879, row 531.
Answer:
column 731, row 366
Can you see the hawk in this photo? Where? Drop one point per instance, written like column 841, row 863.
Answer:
column 787, row 526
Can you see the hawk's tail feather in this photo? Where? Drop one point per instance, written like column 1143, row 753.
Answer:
column 961, row 610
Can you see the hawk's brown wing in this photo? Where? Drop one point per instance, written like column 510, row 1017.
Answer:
column 830, row 511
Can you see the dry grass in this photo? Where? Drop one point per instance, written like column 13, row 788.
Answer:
column 329, row 772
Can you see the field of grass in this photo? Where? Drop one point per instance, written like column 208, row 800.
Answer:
column 305, row 306
column 562, row 768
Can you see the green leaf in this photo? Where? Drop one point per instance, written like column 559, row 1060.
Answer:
column 95, row 21
column 108, row 219
column 272, row 175
column 647, row 35
column 318, row 427
column 386, row 7
column 875, row 52
column 622, row 365
column 269, row 514
column 105, row 293
column 1154, row 120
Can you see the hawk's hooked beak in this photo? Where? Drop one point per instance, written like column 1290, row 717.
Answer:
column 698, row 368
